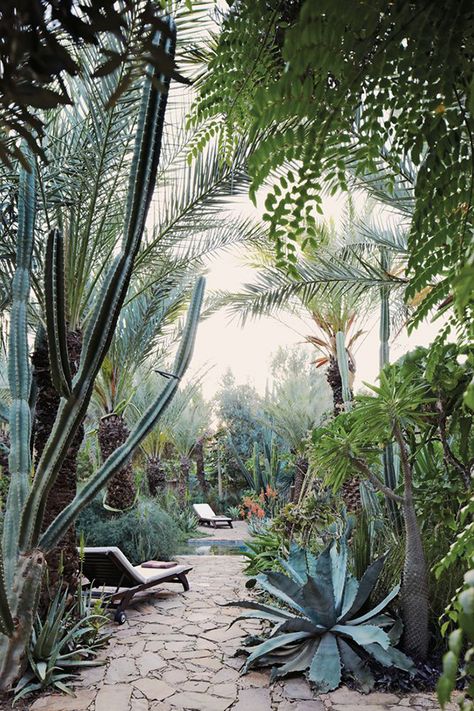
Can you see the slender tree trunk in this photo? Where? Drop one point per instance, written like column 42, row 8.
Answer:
column 62, row 561
column 350, row 490
column 121, row 489
column 415, row 598
column 200, row 470
column 156, row 476
column 301, row 469
column 183, row 485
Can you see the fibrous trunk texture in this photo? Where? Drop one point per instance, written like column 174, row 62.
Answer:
column 415, row 601
column 156, row 475
column 415, row 598
column 62, row 561
column 24, row 603
column 301, row 468
column 121, row 489
column 200, row 470
column 183, row 484
column 350, row 489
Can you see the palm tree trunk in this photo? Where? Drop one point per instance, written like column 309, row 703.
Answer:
column 198, row 453
column 183, row 485
column 121, row 489
column 156, row 475
column 351, row 488
column 301, row 468
column 63, row 561
column 415, row 602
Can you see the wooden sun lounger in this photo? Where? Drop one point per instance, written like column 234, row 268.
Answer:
column 108, row 567
column 207, row 516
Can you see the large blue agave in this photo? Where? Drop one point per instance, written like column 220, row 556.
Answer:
column 323, row 626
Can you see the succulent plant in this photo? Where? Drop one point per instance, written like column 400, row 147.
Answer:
column 323, row 625
column 24, row 544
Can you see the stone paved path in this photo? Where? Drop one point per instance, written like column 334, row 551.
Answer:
column 175, row 652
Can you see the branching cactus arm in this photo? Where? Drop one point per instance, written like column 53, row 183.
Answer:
column 147, row 422
column 103, row 322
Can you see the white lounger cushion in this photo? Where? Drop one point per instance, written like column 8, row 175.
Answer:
column 205, row 511
column 141, row 575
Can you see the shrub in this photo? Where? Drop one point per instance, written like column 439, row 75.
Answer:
column 145, row 532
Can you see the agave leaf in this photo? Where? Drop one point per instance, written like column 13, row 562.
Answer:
column 350, row 591
column 366, row 586
column 396, row 632
column 249, row 604
column 41, row 669
column 325, row 669
column 390, row 657
column 299, row 660
column 28, row 689
column 338, row 572
column 259, row 615
column 62, row 687
column 300, row 624
column 364, row 635
column 318, row 598
column 298, row 560
column 354, row 664
column 274, row 643
column 293, row 573
column 381, row 621
column 375, row 611
column 283, row 588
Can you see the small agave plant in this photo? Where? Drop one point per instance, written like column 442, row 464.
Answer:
column 324, row 626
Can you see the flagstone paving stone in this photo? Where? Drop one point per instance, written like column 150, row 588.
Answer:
column 175, row 653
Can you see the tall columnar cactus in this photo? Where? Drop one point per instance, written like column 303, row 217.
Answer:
column 388, row 458
column 24, row 545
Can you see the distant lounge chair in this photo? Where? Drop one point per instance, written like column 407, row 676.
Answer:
column 108, row 567
column 207, row 516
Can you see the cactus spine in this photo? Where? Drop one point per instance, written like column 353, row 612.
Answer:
column 24, row 546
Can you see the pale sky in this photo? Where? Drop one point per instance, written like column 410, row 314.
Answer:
column 223, row 343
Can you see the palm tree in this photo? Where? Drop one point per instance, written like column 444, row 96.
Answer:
column 297, row 404
column 191, row 426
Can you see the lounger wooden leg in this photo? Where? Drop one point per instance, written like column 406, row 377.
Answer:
column 184, row 581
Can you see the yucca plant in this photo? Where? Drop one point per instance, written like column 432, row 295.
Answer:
column 24, row 544
column 323, row 625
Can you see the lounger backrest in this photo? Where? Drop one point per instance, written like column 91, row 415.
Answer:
column 204, row 511
column 108, row 566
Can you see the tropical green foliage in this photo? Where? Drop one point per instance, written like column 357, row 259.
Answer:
column 321, row 625
column 461, row 650
column 326, row 86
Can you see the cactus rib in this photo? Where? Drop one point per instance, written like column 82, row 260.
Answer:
column 19, row 376
column 55, row 314
column 121, row 455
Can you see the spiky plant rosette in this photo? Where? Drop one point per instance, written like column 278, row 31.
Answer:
column 323, row 625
